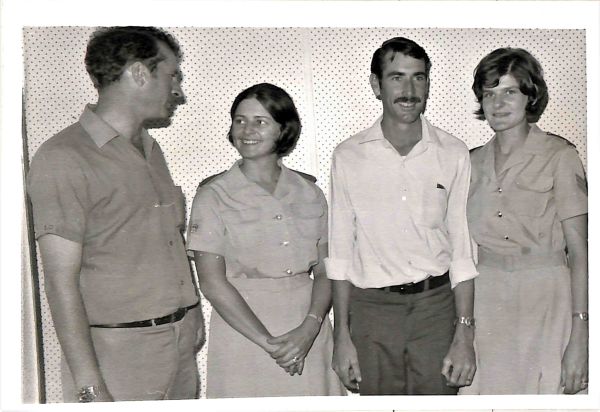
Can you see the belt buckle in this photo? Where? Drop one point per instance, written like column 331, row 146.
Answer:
column 153, row 322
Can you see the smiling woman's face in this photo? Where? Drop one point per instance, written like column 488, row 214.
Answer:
column 254, row 130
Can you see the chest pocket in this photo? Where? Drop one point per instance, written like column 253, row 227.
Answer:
column 244, row 227
column 307, row 219
column 434, row 202
column 532, row 194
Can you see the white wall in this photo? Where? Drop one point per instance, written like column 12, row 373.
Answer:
column 325, row 70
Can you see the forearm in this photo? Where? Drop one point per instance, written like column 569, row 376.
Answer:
column 226, row 299
column 576, row 235
column 463, row 300
column 61, row 260
column 341, row 306
column 73, row 331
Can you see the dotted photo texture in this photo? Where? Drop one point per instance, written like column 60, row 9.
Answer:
column 325, row 70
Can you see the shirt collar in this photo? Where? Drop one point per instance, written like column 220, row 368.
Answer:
column 535, row 143
column 374, row 133
column 536, row 140
column 237, row 181
column 101, row 132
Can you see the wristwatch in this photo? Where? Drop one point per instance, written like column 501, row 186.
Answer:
column 468, row 321
column 87, row 394
column 581, row 315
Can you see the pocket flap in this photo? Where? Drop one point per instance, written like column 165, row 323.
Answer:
column 243, row 215
column 535, row 182
column 307, row 210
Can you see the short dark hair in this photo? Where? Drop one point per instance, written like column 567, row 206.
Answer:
column 398, row 45
column 280, row 106
column 526, row 70
column 111, row 49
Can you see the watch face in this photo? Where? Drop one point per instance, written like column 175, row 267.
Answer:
column 87, row 394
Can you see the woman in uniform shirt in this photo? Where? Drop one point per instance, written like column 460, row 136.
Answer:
column 258, row 231
column 527, row 213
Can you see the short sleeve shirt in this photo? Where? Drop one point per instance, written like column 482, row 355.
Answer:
column 260, row 235
column 91, row 186
column 519, row 211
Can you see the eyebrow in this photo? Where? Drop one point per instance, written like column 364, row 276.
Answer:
column 398, row 73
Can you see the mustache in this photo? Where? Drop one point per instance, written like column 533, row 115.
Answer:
column 405, row 99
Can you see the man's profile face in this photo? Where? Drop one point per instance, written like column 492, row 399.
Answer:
column 164, row 91
column 403, row 87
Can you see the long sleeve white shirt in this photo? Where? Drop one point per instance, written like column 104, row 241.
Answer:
column 399, row 219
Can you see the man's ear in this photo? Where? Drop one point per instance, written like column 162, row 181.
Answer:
column 374, row 80
column 139, row 73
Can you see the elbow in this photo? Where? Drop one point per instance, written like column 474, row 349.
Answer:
column 211, row 290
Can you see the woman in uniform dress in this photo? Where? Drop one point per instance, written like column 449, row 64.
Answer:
column 527, row 212
column 259, row 237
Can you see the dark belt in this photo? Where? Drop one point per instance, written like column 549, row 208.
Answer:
column 172, row 318
column 431, row 282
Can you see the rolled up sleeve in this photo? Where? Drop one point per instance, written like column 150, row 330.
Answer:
column 462, row 266
column 59, row 195
column 341, row 226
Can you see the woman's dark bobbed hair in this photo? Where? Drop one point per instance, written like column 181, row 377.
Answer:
column 524, row 68
column 280, row 106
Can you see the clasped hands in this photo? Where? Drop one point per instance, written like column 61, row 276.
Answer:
column 290, row 349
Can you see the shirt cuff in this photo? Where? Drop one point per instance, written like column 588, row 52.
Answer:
column 337, row 269
column 462, row 270
column 205, row 245
column 575, row 210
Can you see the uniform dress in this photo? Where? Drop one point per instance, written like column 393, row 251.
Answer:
column 269, row 242
column 523, row 293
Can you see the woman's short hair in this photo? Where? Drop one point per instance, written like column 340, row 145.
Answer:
column 280, row 106
column 526, row 70
column 398, row 45
column 111, row 49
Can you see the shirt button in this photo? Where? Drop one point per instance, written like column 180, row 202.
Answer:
column 506, row 237
column 499, row 190
column 182, row 283
column 170, row 243
column 278, row 217
column 288, row 271
column 499, row 214
column 403, row 197
column 410, row 262
column 285, row 243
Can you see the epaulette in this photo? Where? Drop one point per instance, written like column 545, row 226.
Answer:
column 305, row 176
column 210, row 179
column 475, row 148
column 560, row 137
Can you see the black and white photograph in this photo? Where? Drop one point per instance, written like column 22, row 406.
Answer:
column 290, row 205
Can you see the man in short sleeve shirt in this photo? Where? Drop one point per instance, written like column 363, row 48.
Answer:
column 108, row 220
column 400, row 251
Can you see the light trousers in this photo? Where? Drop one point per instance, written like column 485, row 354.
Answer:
column 150, row 363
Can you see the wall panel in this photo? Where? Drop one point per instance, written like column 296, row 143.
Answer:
column 326, row 72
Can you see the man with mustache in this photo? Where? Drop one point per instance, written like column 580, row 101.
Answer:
column 108, row 220
column 400, row 252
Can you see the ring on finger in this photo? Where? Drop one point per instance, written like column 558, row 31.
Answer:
column 295, row 359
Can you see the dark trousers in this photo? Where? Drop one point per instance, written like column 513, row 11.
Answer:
column 401, row 340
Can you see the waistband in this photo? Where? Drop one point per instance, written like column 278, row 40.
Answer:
column 431, row 282
column 271, row 284
column 511, row 263
column 172, row 318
